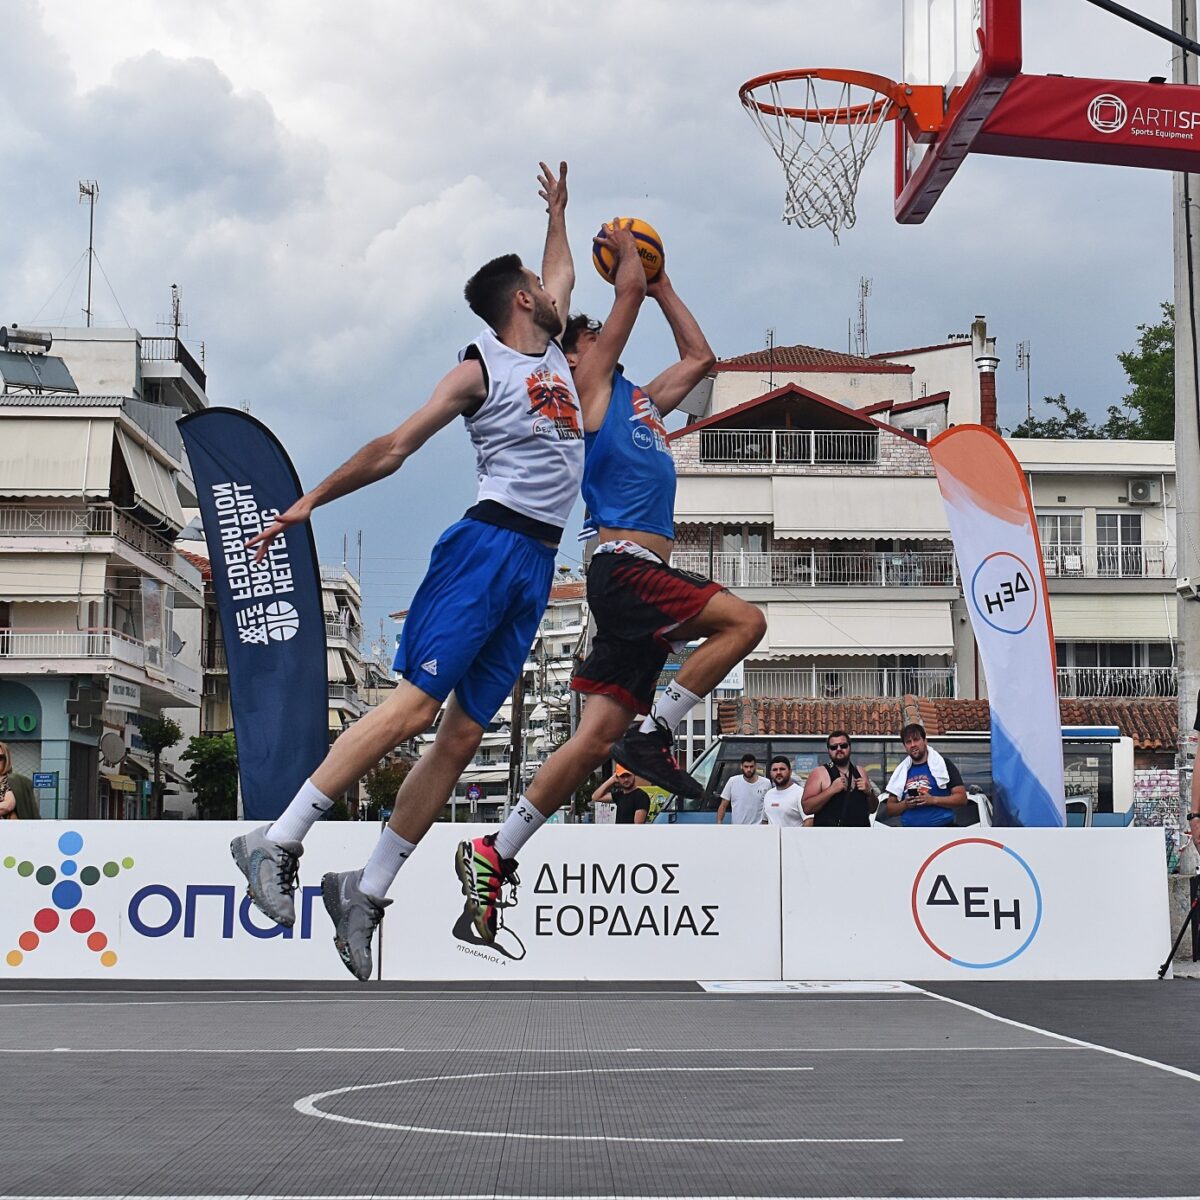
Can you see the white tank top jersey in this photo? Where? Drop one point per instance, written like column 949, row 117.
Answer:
column 528, row 433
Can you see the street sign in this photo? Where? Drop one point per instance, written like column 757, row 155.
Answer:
column 45, row 779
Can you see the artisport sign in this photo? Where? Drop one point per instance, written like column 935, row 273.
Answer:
column 1109, row 114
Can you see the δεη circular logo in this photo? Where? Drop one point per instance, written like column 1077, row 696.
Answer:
column 1004, row 591
column 1108, row 113
column 977, row 903
column 643, row 438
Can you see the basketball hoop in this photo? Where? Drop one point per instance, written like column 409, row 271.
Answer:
column 822, row 124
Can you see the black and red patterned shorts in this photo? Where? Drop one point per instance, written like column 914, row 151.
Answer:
column 636, row 603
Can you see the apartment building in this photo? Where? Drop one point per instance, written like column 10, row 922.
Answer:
column 95, row 602
column 805, row 486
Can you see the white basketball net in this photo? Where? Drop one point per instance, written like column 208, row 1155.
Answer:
column 822, row 158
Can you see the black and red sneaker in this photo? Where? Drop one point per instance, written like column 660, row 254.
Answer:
column 652, row 756
column 484, row 875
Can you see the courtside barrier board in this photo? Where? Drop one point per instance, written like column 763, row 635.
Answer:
column 165, row 901
column 999, row 904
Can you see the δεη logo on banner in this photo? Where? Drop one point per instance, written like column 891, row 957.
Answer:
column 1004, row 591
column 591, row 900
column 977, row 903
column 76, row 891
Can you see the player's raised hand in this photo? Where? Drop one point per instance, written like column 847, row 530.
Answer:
column 552, row 190
column 618, row 236
column 659, row 286
column 296, row 515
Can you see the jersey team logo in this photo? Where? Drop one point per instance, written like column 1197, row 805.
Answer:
column 649, row 432
column 553, row 404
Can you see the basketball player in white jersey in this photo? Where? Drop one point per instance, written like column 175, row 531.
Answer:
column 475, row 615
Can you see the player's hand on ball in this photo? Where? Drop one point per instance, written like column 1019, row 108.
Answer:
column 659, row 285
column 618, row 237
column 552, row 190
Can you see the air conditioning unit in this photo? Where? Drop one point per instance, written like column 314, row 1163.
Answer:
column 1144, row 491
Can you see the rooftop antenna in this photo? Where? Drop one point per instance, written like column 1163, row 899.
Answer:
column 89, row 190
column 1024, row 363
column 176, row 321
column 862, row 347
column 771, row 359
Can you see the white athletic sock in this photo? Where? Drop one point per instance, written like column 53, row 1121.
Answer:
column 390, row 854
column 522, row 823
column 305, row 810
column 674, row 704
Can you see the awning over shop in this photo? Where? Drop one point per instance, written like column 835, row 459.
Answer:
column 52, row 577
column 862, row 506
column 862, row 627
column 65, row 456
column 1105, row 617
column 152, row 480
column 120, row 783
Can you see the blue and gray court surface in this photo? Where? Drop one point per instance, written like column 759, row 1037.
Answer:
column 600, row 1090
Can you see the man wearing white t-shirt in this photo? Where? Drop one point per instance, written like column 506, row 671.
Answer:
column 745, row 793
column 782, row 802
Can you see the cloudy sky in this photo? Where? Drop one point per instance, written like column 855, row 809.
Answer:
column 320, row 180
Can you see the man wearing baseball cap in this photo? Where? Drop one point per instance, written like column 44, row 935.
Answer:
column 633, row 804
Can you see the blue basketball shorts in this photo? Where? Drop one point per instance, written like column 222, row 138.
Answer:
column 473, row 620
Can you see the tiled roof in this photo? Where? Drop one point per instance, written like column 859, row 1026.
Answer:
column 1152, row 724
column 574, row 589
column 923, row 349
column 809, row 358
column 198, row 561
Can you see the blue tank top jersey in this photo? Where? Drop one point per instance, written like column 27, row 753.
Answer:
column 629, row 474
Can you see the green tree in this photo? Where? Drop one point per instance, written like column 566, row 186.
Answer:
column 214, row 775
column 159, row 735
column 1070, row 422
column 382, row 786
column 1150, row 368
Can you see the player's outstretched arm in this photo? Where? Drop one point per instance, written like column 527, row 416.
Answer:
column 558, row 268
column 593, row 375
column 696, row 357
column 454, row 395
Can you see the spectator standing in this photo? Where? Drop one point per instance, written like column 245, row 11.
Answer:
column 838, row 793
column 925, row 788
column 744, row 793
column 633, row 804
column 17, row 801
column 1193, row 817
column 783, row 801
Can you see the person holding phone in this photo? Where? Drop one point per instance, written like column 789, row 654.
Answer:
column 925, row 788
column 838, row 793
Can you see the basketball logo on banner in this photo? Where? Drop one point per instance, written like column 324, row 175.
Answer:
column 977, row 903
column 1004, row 592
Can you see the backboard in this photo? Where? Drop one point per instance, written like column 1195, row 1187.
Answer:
column 972, row 50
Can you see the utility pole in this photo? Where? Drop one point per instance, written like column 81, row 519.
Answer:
column 1186, row 196
column 89, row 190
column 862, row 345
column 1025, row 363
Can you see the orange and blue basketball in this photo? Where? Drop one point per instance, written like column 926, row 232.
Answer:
column 650, row 250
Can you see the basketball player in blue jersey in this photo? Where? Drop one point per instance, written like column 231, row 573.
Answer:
column 641, row 606
column 474, row 617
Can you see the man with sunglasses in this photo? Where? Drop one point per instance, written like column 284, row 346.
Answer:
column 838, row 793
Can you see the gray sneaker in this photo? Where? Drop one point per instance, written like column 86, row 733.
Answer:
column 354, row 915
column 270, row 869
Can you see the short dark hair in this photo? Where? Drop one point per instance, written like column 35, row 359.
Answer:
column 749, row 758
column 783, row 758
column 576, row 324
column 490, row 290
column 838, row 733
column 910, row 729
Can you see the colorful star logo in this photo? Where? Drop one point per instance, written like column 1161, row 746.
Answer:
column 66, row 884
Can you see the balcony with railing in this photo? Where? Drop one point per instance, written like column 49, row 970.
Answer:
column 1130, row 683
column 22, row 647
column 817, row 568
column 213, row 655
column 790, row 447
column 1150, row 560
column 98, row 520
column 172, row 349
column 835, row 683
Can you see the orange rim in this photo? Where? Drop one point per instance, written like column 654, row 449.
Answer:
column 893, row 97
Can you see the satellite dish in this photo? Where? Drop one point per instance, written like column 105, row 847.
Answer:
column 112, row 748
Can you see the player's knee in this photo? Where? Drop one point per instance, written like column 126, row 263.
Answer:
column 751, row 624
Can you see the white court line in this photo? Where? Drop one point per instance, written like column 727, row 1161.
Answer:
column 585, row 1050
column 1062, row 1037
column 483, row 998
column 545, row 1196
column 308, row 1107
